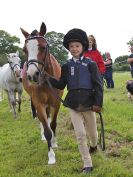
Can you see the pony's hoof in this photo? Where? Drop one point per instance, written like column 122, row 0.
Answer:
column 51, row 161
column 51, row 156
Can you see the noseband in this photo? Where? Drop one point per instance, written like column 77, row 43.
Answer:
column 34, row 61
column 12, row 67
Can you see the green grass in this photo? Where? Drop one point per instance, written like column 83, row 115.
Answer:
column 23, row 154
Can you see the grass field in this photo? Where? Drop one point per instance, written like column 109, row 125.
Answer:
column 23, row 154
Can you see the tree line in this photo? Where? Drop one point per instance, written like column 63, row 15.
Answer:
column 10, row 44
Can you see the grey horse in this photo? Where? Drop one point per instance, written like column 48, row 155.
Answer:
column 10, row 81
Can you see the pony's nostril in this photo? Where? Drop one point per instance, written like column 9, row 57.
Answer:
column 29, row 77
column 37, row 73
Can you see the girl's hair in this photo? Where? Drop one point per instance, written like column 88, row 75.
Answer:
column 94, row 45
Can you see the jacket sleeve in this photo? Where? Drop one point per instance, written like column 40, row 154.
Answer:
column 101, row 65
column 61, row 83
column 130, row 59
column 97, row 83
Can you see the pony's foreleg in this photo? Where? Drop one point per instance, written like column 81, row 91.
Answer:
column 1, row 94
column 33, row 109
column 12, row 100
column 47, row 133
column 42, row 132
column 41, row 126
column 53, row 125
column 9, row 101
column 19, row 100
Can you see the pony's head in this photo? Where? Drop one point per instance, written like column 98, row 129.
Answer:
column 37, row 52
column 15, row 63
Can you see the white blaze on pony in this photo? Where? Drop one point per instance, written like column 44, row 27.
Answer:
column 10, row 75
column 32, row 47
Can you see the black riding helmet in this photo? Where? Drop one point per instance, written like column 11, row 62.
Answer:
column 76, row 35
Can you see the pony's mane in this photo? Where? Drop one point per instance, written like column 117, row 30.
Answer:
column 34, row 33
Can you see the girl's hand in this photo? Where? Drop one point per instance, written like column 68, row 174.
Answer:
column 96, row 108
column 24, row 70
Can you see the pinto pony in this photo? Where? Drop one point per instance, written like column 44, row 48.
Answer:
column 39, row 61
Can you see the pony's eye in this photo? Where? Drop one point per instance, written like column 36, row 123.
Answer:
column 41, row 48
column 24, row 49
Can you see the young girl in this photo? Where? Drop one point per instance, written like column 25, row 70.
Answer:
column 85, row 91
column 95, row 55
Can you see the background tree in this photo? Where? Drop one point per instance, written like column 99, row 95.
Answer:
column 130, row 42
column 121, row 64
column 55, row 41
column 8, row 44
column 104, row 56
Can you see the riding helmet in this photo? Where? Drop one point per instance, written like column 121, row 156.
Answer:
column 76, row 35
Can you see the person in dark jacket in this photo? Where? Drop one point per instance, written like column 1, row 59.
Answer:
column 130, row 83
column 109, row 71
column 130, row 60
column 85, row 93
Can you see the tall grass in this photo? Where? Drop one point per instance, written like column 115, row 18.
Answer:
column 23, row 154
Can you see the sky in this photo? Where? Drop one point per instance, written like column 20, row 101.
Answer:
column 110, row 21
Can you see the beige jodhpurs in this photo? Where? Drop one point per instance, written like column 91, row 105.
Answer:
column 84, row 124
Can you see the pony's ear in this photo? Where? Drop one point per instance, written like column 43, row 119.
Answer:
column 25, row 33
column 42, row 29
column 17, row 53
column 8, row 56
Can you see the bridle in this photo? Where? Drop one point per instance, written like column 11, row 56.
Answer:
column 12, row 67
column 35, row 61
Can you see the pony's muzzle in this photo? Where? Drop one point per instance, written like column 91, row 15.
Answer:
column 34, row 77
column 17, row 73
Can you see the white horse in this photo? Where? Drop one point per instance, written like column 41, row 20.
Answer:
column 10, row 80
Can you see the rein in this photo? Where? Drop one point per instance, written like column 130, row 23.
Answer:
column 53, row 91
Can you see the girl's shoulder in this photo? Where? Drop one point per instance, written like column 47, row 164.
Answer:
column 88, row 60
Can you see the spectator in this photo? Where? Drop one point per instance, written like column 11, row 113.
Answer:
column 109, row 72
column 130, row 60
column 129, row 87
column 95, row 55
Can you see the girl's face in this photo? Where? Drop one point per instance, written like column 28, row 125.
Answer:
column 91, row 41
column 75, row 48
column 107, row 55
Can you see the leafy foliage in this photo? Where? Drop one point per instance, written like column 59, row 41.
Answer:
column 8, row 44
column 121, row 64
column 56, row 48
column 130, row 43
